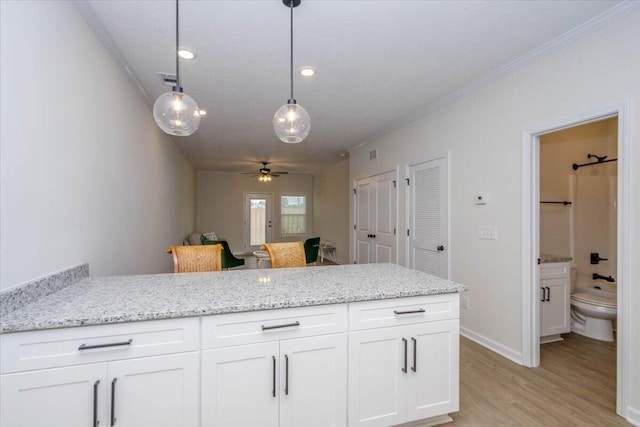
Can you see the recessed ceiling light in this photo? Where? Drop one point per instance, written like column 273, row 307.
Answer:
column 186, row 54
column 307, row 71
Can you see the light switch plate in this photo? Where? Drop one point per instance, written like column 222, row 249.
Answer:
column 488, row 233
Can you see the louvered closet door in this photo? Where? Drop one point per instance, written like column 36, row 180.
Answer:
column 428, row 237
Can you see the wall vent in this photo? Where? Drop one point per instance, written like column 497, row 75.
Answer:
column 373, row 154
column 168, row 79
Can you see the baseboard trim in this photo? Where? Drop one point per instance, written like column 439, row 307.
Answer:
column 429, row 422
column 496, row 347
column 633, row 416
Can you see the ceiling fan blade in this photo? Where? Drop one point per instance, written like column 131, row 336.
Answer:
column 281, row 173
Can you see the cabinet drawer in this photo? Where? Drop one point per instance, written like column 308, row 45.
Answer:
column 227, row 330
column 403, row 311
column 554, row 270
column 23, row 351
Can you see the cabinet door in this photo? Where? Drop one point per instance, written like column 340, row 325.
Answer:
column 154, row 391
column 377, row 382
column 313, row 381
column 432, row 386
column 555, row 313
column 61, row 397
column 240, row 386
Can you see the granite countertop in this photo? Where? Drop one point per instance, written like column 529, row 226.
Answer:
column 549, row 258
column 115, row 299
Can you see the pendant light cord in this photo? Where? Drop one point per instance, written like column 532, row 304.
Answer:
column 177, row 47
column 291, row 56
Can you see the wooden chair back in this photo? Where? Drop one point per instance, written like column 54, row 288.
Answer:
column 188, row 259
column 288, row 254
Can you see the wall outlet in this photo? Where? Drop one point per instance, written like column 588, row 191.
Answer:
column 488, row 233
column 466, row 302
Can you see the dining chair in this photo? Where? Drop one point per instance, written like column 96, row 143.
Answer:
column 228, row 259
column 188, row 259
column 311, row 247
column 288, row 254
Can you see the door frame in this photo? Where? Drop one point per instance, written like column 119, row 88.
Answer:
column 407, row 195
column 246, row 231
column 531, row 238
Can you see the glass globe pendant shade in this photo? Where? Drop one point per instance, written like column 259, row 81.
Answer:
column 176, row 113
column 291, row 123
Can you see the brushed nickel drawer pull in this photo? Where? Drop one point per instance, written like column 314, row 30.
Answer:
column 113, row 344
column 266, row 328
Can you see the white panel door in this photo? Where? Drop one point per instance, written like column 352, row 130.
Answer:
column 428, row 217
column 313, row 382
column 377, row 384
column 155, row 391
column 258, row 220
column 364, row 221
column 61, row 397
column 240, row 386
column 376, row 212
column 385, row 214
column 432, row 386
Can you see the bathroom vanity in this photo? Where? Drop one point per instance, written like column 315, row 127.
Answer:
column 555, row 297
column 356, row 345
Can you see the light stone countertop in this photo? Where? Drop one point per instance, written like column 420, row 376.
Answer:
column 115, row 299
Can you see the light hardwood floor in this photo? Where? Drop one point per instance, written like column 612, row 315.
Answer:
column 574, row 386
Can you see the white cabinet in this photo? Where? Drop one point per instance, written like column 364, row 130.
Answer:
column 404, row 373
column 296, row 377
column 555, row 301
column 148, row 391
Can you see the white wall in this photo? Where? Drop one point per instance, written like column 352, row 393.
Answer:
column 220, row 198
column 331, row 197
column 483, row 131
column 86, row 174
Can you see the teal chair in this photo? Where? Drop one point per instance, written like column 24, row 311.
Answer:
column 311, row 247
column 228, row 260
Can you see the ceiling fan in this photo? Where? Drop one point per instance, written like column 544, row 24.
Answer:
column 264, row 173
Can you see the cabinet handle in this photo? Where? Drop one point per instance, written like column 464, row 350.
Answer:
column 113, row 344
column 273, row 387
column 266, row 328
column 414, row 368
column 113, row 402
column 95, row 403
column 397, row 313
column 404, row 369
column 544, row 293
column 286, row 375
column 548, row 294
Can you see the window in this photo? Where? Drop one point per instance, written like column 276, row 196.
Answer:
column 293, row 211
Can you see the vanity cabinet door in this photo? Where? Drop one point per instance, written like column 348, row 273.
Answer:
column 555, row 311
column 154, row 391
column 61, row 397
column 240, row 386
column 313, row 381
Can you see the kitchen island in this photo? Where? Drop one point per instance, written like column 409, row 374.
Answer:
column 357, row 345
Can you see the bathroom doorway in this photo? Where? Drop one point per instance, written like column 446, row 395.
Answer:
column 575, row 185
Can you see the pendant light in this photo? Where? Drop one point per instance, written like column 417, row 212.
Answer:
column 176, row 112
column 291, row 122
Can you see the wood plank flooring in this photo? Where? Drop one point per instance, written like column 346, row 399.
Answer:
column 574, row 386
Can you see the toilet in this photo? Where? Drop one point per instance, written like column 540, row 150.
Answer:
column 593, row 311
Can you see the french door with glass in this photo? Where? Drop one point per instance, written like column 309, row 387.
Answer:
column 258, row 220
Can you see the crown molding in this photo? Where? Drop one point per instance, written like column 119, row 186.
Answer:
column 591, row 26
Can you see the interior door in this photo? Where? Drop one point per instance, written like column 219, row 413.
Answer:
column 376, row 219
column 428, row 217
column 258, row 220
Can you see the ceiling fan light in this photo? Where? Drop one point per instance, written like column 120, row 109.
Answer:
column 176, row 113
column 291, row 123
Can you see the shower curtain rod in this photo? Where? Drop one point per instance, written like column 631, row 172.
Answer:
column 589, row 156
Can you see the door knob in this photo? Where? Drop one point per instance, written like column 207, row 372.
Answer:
column 440, row 248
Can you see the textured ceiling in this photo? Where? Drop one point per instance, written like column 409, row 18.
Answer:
column 378, row 63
